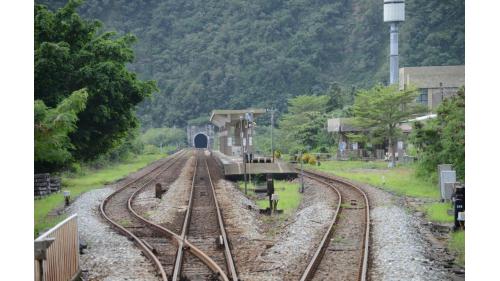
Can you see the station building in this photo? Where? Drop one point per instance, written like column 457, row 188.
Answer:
column 236, row 128
column 235, row 137
column 352, row 149
column 434, row 83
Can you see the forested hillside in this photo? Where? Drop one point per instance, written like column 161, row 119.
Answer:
column 234, row 53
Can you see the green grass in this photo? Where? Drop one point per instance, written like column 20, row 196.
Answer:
column 438, row 212
column 288, row 192
column 457, row 245
column 400, row 180
column 78, row 184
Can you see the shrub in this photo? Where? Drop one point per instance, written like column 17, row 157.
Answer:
column 277, row 154
column 312, row 161
column 164, row 137
column 76, row 168
column 100, row 162
column 305, row 158
column 442, row 140
column 151, row 149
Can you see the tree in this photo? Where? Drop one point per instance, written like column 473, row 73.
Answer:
column 304, row 124
column 164, row 137
column 381, row 109
column 334, row 92
column 71, row 54
column 237, row 54
column 52, row 127
column 442, row 140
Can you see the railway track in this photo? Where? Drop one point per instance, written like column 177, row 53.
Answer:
column 343, row 251
column 156, row 243
column 161, row 245
column 204, row 228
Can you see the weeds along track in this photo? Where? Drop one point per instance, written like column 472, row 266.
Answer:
column 157, row 243
column 343, row 251
column 203, row 228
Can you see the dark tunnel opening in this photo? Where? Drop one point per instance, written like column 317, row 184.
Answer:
column 201, row 141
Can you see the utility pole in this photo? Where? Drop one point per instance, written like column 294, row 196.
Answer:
column 242, row 137
column 249, row 148
column 272, row 127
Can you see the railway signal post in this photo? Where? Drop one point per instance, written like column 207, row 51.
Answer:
column 270, row 189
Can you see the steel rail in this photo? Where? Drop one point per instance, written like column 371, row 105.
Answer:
column 318, row 255
column 187, row 219
column 227, row 251
column 316, row 260
column 184, row 244
column 143, row 246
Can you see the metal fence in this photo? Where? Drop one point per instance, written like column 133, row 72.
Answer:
column 62, row 256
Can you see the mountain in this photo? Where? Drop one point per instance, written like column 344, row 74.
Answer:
column 234, row 54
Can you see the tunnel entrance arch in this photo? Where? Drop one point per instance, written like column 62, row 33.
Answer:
column 200, row 141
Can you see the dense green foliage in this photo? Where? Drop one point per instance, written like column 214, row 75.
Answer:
column 52, row 126
column 380, row 110
column 433, row 33
column 303, row 127
column 442, row 140
column 72, row 53
column 236, row 54
column 161, row 137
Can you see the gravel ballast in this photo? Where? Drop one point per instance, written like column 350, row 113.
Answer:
column 109, row 256
column 174, row 202
column 283, row 256
column 402, row 247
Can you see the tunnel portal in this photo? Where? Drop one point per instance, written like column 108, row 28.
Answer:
column 201, row 141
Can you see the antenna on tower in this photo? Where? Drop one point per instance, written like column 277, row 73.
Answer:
column 394, row 13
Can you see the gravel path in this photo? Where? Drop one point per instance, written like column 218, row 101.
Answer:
column 109, row 256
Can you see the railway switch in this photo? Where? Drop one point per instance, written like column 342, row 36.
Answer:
column 158, row 190
column 220, row 242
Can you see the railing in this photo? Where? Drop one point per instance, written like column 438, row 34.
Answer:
column 62, row 256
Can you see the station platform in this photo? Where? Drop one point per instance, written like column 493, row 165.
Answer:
column 233, row 167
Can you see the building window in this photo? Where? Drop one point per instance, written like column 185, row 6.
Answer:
column 423, row 97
